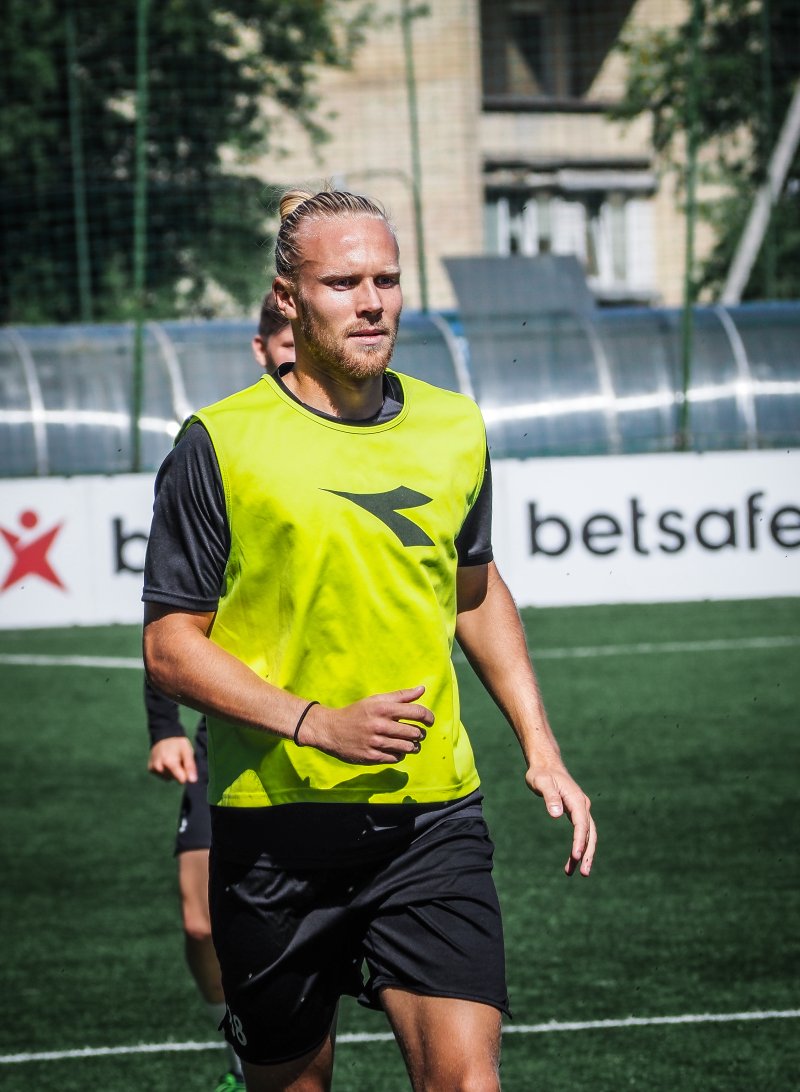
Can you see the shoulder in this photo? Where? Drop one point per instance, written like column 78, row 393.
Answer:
column 192, row 454
column 231, row 417
column 191, row 446
column 448, row 403
column 243, row 401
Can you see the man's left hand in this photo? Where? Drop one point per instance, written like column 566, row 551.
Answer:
column 561, row 794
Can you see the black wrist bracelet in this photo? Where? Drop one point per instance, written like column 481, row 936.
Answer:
column 300, row 721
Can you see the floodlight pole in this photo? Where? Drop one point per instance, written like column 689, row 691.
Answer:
column 767, row 106
column 78, row 172
column 683, row 439
column 139, row 233
column 406, row 17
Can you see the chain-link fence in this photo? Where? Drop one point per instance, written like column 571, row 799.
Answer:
column 651, row 142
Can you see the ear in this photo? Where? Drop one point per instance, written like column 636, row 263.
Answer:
column 260, row 351
column 285, row 296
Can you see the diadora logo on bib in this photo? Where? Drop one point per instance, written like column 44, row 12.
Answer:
column 29, row 550
column 387, row 508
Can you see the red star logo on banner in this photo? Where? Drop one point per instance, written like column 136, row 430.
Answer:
column 30, row 558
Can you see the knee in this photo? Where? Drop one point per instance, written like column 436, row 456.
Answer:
column 470, row 1083
column 471, row 1077
column 486, row 1081
column 474, row 1082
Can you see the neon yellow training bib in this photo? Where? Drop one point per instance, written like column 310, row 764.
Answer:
column 341, row 583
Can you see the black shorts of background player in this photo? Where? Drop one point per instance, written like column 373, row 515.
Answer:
column 173, row 758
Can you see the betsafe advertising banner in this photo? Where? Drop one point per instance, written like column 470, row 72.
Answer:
column 648, row 528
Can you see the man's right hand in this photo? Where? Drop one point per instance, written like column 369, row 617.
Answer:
column 172, row 759
column 372, row 731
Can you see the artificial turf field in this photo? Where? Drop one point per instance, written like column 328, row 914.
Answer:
column 680, row 720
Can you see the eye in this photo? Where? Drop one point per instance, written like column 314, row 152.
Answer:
column 389, row 280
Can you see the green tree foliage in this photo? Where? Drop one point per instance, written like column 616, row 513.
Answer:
column 220, row 75
column 748, row 67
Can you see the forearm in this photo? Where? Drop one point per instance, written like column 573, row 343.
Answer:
column 490, row 632
column 163, row 719
column 492, row 638
column 183, row 663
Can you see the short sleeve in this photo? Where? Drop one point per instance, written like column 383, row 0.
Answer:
column 189, row 543
column 474, row 541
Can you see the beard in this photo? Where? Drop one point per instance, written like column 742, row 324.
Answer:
column 337, row 352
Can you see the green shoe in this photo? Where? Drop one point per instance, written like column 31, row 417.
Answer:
column 231, row 1082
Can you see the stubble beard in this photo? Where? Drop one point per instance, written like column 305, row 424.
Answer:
column 340, row 354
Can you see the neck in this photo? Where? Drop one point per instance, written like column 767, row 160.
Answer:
column 353, row 398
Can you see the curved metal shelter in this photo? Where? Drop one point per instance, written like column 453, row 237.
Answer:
column 555, row 375
column 66, row 391
column 564, row 379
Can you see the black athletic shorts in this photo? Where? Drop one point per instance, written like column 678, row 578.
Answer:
column 291, row 941
column 194, row 821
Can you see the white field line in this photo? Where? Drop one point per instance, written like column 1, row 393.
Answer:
column 587, row 652
column 113, row 662
column 386, row 1036
column 646, row 648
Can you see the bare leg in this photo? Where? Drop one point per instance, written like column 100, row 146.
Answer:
column 200, row 954
column 449, row 1045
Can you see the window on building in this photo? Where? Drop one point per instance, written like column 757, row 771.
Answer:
column 525, row 53
column 523, row 48
column 609, row 231
column 546, row 49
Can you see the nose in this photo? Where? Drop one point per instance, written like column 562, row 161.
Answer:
column 369, row 298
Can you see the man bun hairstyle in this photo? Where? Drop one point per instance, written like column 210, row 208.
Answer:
column 291, row 199
column 299, row 206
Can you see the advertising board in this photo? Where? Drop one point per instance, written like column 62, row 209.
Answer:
column 644, row 528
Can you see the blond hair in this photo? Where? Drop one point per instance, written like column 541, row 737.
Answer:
column 299, row 206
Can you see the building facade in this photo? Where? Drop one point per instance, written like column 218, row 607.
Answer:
column 484, row 127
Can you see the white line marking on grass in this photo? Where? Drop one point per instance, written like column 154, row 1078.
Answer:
column 647, row 647
column 386, row 1036
column 106, row 1052
column 654, row 1021
column 126, row 662
column 642, row 649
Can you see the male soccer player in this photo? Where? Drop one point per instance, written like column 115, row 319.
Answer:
column 311, row 613
column 173, row 758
